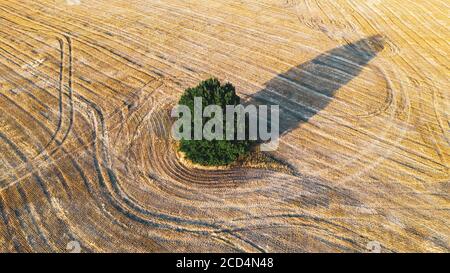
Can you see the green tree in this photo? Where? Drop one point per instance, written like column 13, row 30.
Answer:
column 212, row 152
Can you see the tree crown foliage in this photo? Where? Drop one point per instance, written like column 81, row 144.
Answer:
column 212, row 152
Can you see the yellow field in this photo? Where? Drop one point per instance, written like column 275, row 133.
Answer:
column 85, row 152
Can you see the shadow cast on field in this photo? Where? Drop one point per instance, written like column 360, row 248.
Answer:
column 304, row 90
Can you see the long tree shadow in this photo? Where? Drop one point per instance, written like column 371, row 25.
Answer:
column 306, row 89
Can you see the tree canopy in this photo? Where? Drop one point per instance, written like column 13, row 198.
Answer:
column 212, row 152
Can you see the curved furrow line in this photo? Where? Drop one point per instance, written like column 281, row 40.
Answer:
column 50, row 148
column 61, row 107
column 61, row 86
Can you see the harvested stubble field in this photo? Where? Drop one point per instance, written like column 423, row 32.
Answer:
column 85, row 154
